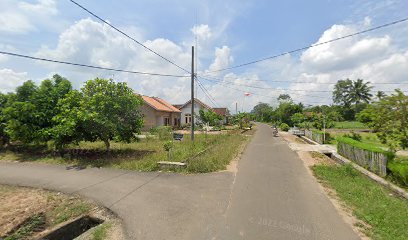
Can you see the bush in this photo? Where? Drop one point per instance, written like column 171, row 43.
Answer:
column 353, row 135
column 163, row 132
column 398, row 169
column 284, row 127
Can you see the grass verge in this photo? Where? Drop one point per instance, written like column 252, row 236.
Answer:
column 101, row 232
column 142, row 155
column 375, row 205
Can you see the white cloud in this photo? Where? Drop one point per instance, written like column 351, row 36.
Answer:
column 223, row 58
column 20, row 17
column 41, row 7
column 344, row 54
column 10, row 79
column 203, row 31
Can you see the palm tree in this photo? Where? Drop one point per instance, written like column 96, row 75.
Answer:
column 359, row 92
column 380, row 95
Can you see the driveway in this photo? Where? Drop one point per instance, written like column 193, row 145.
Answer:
column 271, row 197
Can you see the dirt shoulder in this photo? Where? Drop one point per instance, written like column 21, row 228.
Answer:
column 311, row 158
column 27, row 213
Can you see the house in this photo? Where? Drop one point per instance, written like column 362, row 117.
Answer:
column 198, row 105
column 157, row 112
column 224, row 112
column 186, row 110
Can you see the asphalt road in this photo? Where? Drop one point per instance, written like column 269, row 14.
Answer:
column 271, row 197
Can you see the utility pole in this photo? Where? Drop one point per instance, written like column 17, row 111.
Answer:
column 192, row 93
column 236, row 108
column 324, row 128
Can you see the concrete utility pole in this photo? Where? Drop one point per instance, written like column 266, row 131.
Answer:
column 192, row 93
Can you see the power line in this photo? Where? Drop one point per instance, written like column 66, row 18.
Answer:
column 271, row 88
column 88, row 66
column 313, row 45
column 126, row 35
column 257, row 94
column 286, row 81
column 205, row 91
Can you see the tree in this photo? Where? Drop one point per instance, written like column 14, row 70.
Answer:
column 359, row 92
column 5, row 100
column 389, row 118
column 341, row 91
column 380, row 95
column 263, row 112
column 102, row 110
column 29, row 117
column 298, row 118
column 284, row 98
column 285, row 111
column 321, row 121
column 209, row 117
column 353, row 96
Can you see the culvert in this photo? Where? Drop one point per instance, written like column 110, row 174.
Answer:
column 73, row 229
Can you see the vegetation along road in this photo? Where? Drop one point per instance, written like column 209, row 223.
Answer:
column 271, row 196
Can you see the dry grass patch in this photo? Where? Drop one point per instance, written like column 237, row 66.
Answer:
column 26, row 212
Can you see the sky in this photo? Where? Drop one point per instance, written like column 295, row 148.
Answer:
column 226, row 33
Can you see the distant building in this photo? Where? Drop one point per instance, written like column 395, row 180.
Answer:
column 198, row 105
column 186, row 110
column 224, row 112
column 157, row 112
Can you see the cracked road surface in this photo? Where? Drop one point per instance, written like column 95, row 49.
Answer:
column 272, row 196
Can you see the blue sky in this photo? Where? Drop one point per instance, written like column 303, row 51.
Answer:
column 229, row 33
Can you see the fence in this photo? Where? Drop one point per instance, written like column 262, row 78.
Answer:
column 375, row 160
column 317, row 136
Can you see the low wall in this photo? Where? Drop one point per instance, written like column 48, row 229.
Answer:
column 317, row 136
column 375, row 162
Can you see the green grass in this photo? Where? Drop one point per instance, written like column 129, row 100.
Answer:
column 101, row 231
column 349, row 125
column 370, row 202
column 68, row 210
column 367, row 137
column 362, row 145
column 29, row 227
column 142, row 155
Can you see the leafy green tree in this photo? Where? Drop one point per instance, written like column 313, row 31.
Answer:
column 298, row 118
column 102, row 110
column 389, row 118
column 5, row 100
column 321, row 121
column 29, row 117
column 341, row 92
column 284, row 98
column 263, row 112
column 209, row 117
column 285, row 111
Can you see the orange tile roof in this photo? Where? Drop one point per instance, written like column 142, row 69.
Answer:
column 221, row 111
column 159, row 104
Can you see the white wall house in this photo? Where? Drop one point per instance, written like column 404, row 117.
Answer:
column 186, row 110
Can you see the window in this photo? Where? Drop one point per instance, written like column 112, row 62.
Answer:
column 166, row 121
column 188, row 118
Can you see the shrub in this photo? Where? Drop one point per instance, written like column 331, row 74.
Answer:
column 163, row 132
column 284, row 127
column 353, row 135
